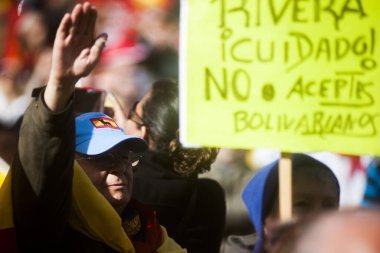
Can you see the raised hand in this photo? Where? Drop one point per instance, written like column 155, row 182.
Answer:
column 75, row 54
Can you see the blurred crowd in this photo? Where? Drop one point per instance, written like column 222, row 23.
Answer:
column 142, row 47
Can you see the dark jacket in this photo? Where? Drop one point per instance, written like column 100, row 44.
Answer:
column 42, row 180
column 192, row 209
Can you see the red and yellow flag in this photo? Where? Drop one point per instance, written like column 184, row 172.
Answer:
column 103, row 122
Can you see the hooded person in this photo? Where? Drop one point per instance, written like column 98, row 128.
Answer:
column 261, row 199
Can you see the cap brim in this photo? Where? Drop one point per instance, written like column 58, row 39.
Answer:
column 101, row 143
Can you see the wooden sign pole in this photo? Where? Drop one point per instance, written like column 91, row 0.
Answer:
column 285, row 187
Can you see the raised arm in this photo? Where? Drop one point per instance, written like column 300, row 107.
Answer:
column 43, row 168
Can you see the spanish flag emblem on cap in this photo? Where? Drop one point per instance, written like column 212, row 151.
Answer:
column 103, row 122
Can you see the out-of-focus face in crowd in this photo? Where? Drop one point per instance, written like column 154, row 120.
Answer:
column 356, row 231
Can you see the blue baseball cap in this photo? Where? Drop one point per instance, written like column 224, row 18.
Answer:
column 97, row 133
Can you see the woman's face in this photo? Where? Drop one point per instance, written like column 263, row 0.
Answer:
column 134, row 124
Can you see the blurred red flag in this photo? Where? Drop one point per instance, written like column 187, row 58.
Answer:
column 355, row 164
column 139, row 4
column 11, row 46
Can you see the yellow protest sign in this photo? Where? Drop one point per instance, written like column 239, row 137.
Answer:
column 295, row 75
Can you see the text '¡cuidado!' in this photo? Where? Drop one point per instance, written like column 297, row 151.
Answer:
column 299, row 48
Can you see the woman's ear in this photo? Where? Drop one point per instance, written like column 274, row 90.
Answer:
column 147, row 137
column 144, row 133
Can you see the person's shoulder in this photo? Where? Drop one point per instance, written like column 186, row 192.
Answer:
column 211, row 189
column 239, row 243
column 210, row 183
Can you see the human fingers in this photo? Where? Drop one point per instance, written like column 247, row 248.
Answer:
column 64, row 27
column 83, row 22
column 90, row 28
column 76, row 16
column 97, row 49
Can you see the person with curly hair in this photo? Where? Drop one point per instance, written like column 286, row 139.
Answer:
column 192, row 209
